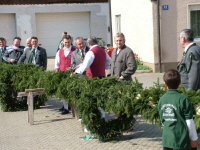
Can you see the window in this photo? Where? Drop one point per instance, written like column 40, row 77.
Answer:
column 195, row 22
column 118, row 23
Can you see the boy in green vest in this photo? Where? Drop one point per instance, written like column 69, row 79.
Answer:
column 175, row 110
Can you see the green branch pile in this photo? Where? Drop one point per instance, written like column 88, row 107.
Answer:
column 125, row 99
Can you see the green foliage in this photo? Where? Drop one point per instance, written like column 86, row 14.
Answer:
column 17, row 78
column 148, row 102
column 125, row 98
column 140, row 65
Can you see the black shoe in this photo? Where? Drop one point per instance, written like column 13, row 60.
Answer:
column 65, row 111
column 69, row 107
column 61, row 109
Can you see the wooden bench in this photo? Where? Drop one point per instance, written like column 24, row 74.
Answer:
column 30, row 93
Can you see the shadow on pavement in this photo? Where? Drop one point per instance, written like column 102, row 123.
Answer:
column 50, row 121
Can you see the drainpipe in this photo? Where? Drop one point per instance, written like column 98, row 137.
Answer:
column 110, row 17
column 158, row 34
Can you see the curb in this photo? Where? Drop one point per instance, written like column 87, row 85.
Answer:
column 143, row 71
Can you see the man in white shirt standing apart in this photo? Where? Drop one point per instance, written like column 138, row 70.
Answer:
column 63, row 63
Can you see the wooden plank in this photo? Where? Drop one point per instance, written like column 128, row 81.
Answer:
column 20, row 94
column 74, row 111
column 72, row 108
column 34, row 90
column 30, row 108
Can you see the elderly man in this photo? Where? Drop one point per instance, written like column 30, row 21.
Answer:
column 123, row 63
column 189, row 67
column 95, row 62
column 79, row 54
column 14, row 52
column 35, row 54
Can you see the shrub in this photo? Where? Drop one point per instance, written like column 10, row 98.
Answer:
column 140, row 65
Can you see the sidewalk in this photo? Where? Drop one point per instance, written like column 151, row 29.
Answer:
column 52, row 131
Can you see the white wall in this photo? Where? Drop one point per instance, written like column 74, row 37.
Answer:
column 137, row 26
column 8, row 27
column 26, row 20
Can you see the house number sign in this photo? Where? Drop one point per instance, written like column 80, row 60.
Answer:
column 165, row 7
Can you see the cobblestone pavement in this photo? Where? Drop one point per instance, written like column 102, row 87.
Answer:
column 53, row 131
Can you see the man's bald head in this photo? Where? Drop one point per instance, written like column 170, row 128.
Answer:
column 28, row 42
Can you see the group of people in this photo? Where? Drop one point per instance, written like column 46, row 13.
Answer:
column 92, row 60
column 175, row 110
column 16, row 53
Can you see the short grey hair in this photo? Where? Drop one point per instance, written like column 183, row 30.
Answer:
column 188, row 34
column 78, row 38
column 92, row 40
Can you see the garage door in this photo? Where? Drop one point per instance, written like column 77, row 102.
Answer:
column 49, row 27
column 8, row 27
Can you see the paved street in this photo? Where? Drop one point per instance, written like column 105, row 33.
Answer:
column 52, row 131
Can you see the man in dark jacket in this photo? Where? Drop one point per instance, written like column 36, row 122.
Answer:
column 123, row 64
column 189, row 67
column 35, row 54
column 14, row 52
column 2, row 48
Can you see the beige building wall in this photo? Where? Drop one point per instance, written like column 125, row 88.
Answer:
column 137, row 25
column 173, row 21
column 24, row 22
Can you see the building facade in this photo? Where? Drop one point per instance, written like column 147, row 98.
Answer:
column 138, row 20
column 48, row 21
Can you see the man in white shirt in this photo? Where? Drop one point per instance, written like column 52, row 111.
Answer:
column 95, row 62
column 63, row 63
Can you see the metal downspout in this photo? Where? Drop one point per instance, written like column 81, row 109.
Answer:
column 110, row 15
column 159, row 41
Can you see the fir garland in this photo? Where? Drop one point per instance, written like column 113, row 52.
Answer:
column 126, row 98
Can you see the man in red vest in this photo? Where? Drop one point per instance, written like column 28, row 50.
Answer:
column 95, row 62
column 63, row 63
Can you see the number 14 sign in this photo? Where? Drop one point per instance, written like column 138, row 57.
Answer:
column 165, row 7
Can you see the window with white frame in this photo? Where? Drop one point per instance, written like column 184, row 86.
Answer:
column 195, row 22
column 118, row 23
